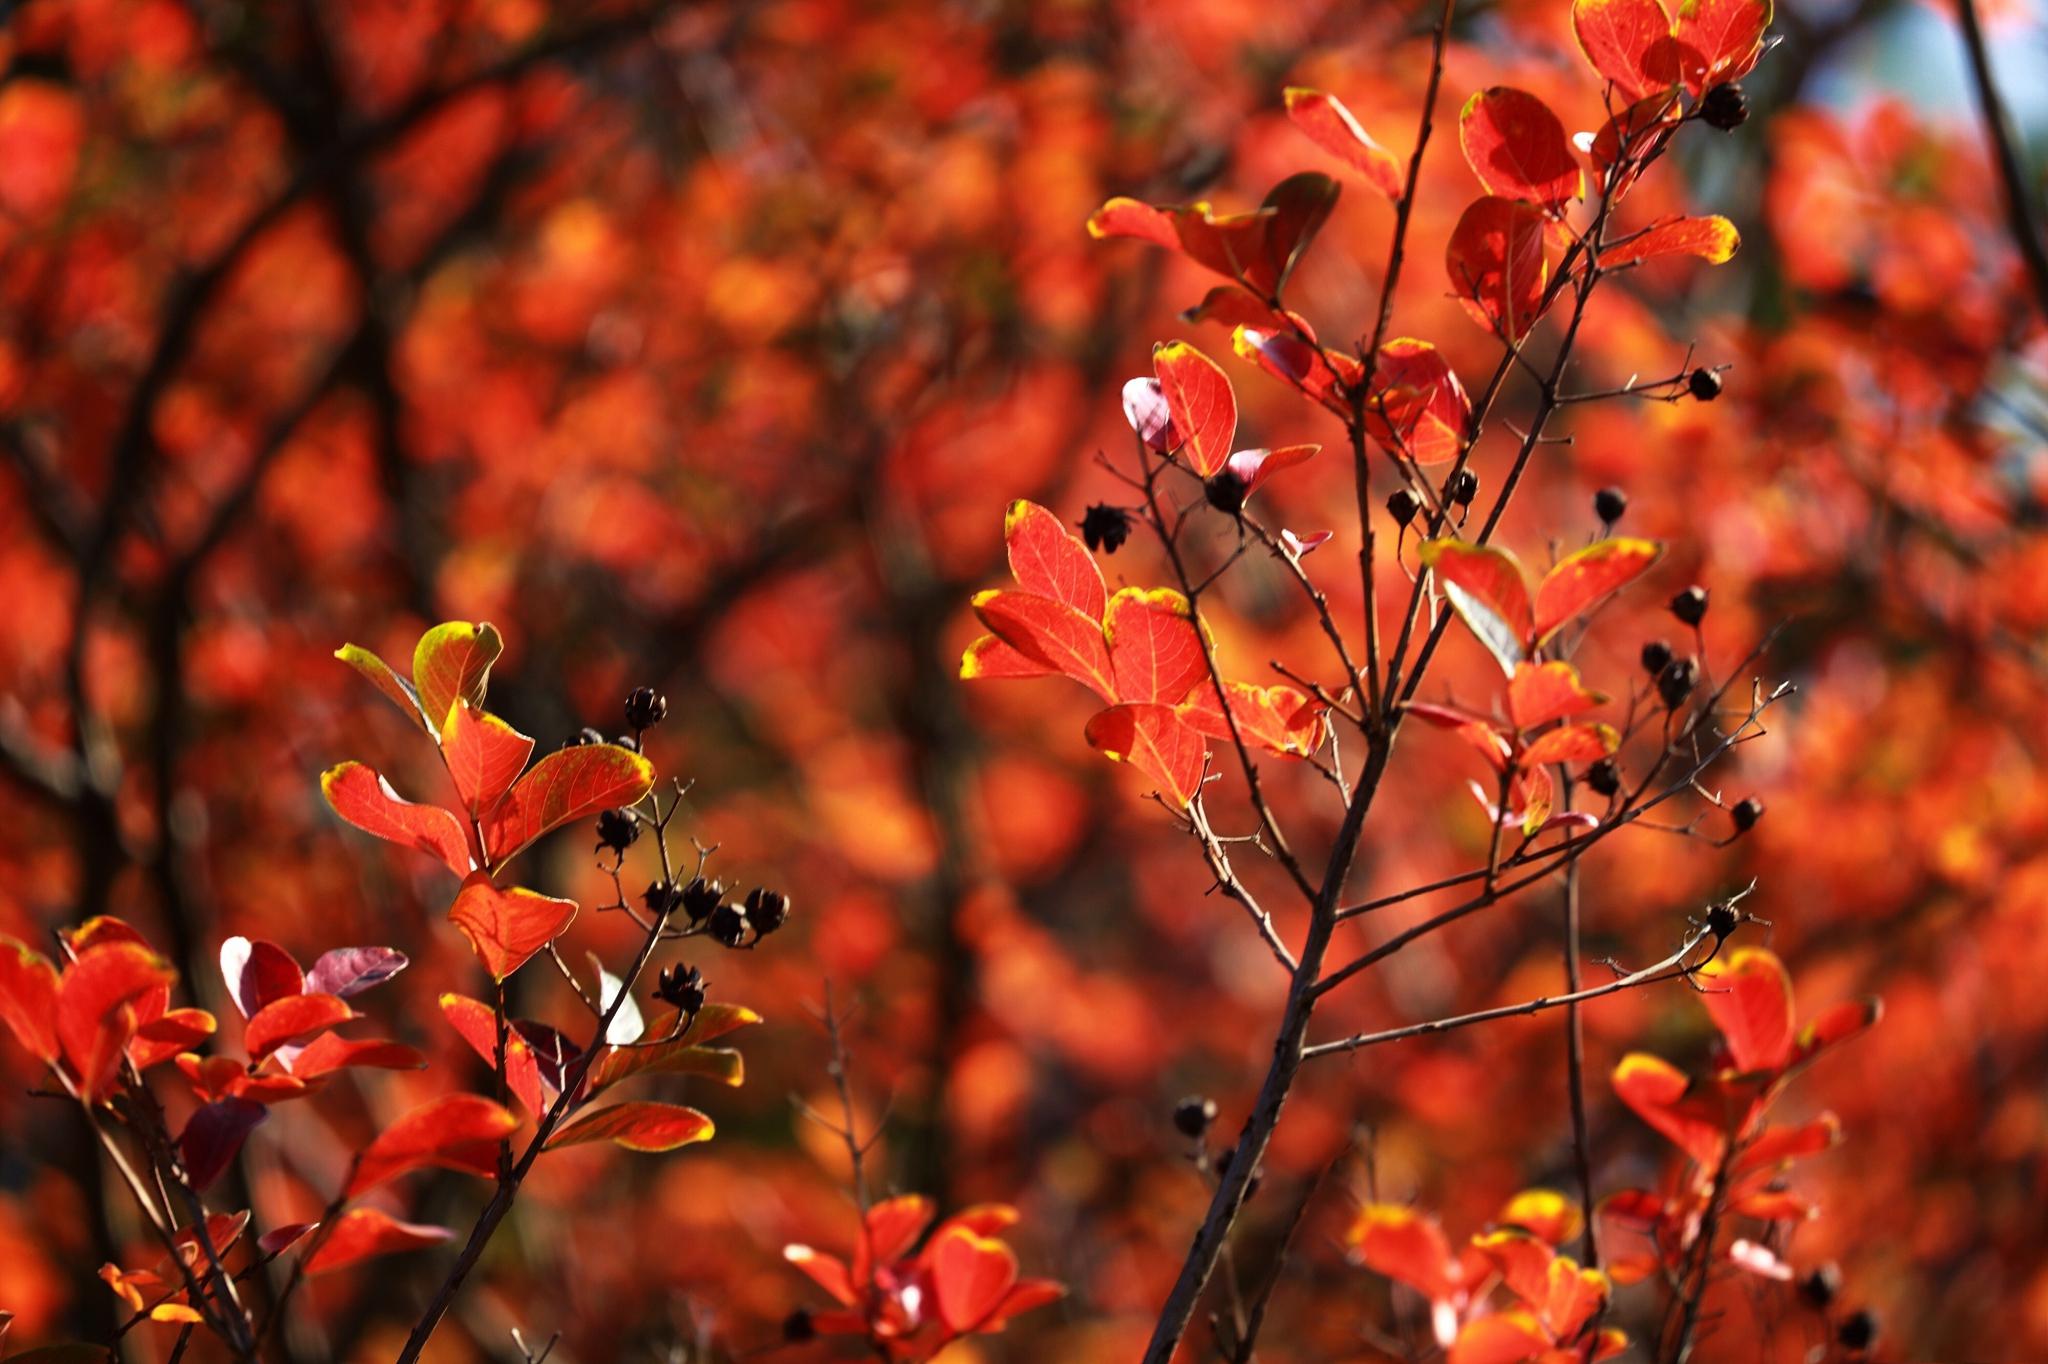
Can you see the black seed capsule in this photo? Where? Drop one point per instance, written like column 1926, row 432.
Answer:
column 1656, row 654
column 1226, row 490
column 1402, row 506
column 1464, row 487
column 700, row 897
column 1725, row 107
column 797, row 1328
column 1858, row 1331
column 1610, row 505
column 728, row 926
column 1604, row 777
column 583, row 736
column 1821, row 1286
column 1746, row 813
column 767, row 910
column 662, row 897
column 646, row 708
column 1704, row 385
column 1722, row 919
column 682, row 988
column 1676, row 682
column 1105, row 527
column 1690, row 606
column 1192, row 1116
column 617, row 830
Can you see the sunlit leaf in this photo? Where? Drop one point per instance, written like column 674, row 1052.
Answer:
column 385, row 679
column 455, row 1132
column 1838, row 1023
column 484, row 755
column 1545, row 1214
column 258, row 973
column 1713, row 239
column 1541, row 692
column 1517, row 148
column 971, row 1275
column 95, row 1010
column 1048, row 559
column 477, row 1024
column 367, row 801
column 1254, row 467
column 1514, row 1337
column 1579, row 743
column 1402, row 1244
column 363, row 1233
column 1498, row 265
column 637, row 1125
column 347, row 971
column 330, row 1052
column 1048, row 633
column 1485, row 586
column 453, row 660
column 1749, row 996
column 1628, row 42
column 1328, row 124
column 1419, row 407
column 28, row 998
column 1583, row 580
column 1657, row 1092
column 1154, row 650
column 1280, row 718
column 506, row 927
column 294, row 1018
column 1720, row 40
column 567, row 785
column 1203, row 407
column 1151, row 738
column 990, row 657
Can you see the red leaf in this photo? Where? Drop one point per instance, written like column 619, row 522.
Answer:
column 893, row 1226
column 1541, row 692
column 1155, row 653
column 1498, row 266
column 214, row 1134
column 682, row 1055
column 1049, row 560
column 1638, row 130
column 455, row 1132
column 1316, row 373
column 1776, row 1147
column 1522, row 1261
column 989, row 657
column 506, row 927
column 1749, row 997
column 367, row 801
column 1047, row 633
column 827, row 1271
column 362, row 1233
column 1838, row 1024
column 1157, row 742
column 1503, row 1338
column 96, row 1010
column 1281, row 718
column 971, row 1275
column 1023, row 1296
column 1628, row 42
column 1658, row 1093
column 385, row 679
column 1254, row 467
column 484, row 755
column 1485, row 587
column 258, row 973
column 1122, row 217
column 1517, row 148
column 1404, row 1245
column 1300, row 205
column 347, row 971
column 453, row 660
column 292, row 1019
column 1328, row 124
column 1477, row 730
column 638, row 1126
column 330, row 1052
column 1234, row 308
column 164, row 1036
column 1713, row 239
column 1418, row 406
column 1545, row 1214
column 1720, row 40
column 1203, row 407
column 28, row 998
column 1581, row 743
column 478, row 1025
column 1581, row 581
column 568, row 784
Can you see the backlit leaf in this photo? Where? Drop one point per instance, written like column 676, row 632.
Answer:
column 385, row 679
column 96, row 1014
column 971, row 1275
column 1720, row 40
column 506, row 927
column 1049, row 560
column 1050, row 634
column 1580, row 743
column 294, row 1018
column 1280, row 718
column 990, row 657
column 1581, row 581
column 1498, row 265
column 1328, row 124
column 1513, row 1337
column 1628, row 42
column 1418, row 407
column 1541, row 692
column 347, row 971
column 637, row 1125
column 1486, row 588
column 1402, row 1244
column 477, row 1024
column 1517, row 148
column 330, row 1052
column 567, row 785
column 1545, row 1214
column 28, row 998
column 453, row 660
column 1749, row 996
column 1657, row 1092
column 363, row 1233
column 258, row 973
column 1154, row 650
column 1151, row 738
column 1838, row 1023
column 1203, row 407
column 454, row 1132
column 484, row 755
column 1254, row 467
column 1146, row 410
column 367, row 801
column 1713, row 239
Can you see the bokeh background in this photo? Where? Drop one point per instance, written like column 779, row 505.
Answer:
column 702, row 344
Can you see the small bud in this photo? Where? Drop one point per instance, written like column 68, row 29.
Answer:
column 682, row 988
column 1858, row 1331
column 1226, row 491
column 1725, row 107
column 798, row 1327
column 1610, row 505
column 1402, row 506
column 1192, row 1116
column 728, row 926
column 767, row 910
column 1822, row 1286
column 1746, row 813
column 1722, row 919
column 1604, row 777
column 583, row 737
column 1704, row 385
column 662, row 898
column 1105, row 527
column 617, row 830
column 700, row 897
column 1464, row 487
column 646, row 708
column 1676, row 682
column 1690, row 605
column 1656, row 654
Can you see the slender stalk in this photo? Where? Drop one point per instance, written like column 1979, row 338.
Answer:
column 1575, row 1053
column 2019, row 198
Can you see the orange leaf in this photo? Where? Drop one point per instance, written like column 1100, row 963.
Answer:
column 829, row 1272
column 1293, row 361
column 1485, row 587
column 163, row 1037
column 1122, row 217
column 1419, row 407
column 484, row 755
column 1517, row 148
column 1749, row 996
column 1203, row 407
column 453, row 660
column 637, row 1126
column 1503, row 1338
column 96, row 1013
column 292, row 1019
column 1628, row 42
column 1281, row 718
column 568, row 784
column 1404, row 1245
column 1720, row 40
column 1151, row 738
column 990, row 657
column 1541, row 692
column 455, row 1132
column 367, row 801
column 330, row 1052
column 1328, row 124
column 363, row 1233
column 1498, row 266
column 1713, row 239
column 1050, row 634
column 1545, row 1214
column 1581, row 743
column 1658, row 1093
column 478, row 1025
column 385, row 679
column 1838, row 1024
column 1155, row 653
column 971, row 1275
column 1050, row 561
column 893, row 1226
column 1582, row 580
column 506, row 927
column 28, row 998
